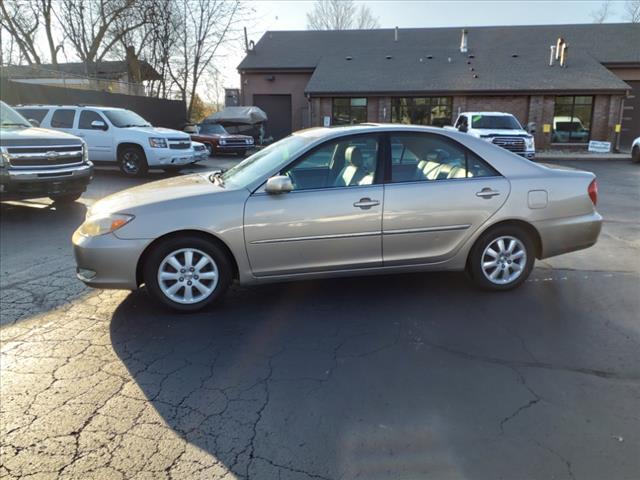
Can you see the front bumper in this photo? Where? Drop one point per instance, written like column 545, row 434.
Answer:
column 107, row 261
column 18, row 183
column 166, row 157
column 562, row 235
column 234, row 148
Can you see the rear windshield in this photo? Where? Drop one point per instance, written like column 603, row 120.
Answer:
column 495, row 122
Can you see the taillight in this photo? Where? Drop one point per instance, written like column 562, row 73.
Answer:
column 593, row 191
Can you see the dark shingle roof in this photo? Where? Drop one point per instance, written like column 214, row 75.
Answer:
column 492, row 48
column 106, row 69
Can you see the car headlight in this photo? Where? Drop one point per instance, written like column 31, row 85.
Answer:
column 102, row 224
column 529, row 143
column 223, row 142
column 250, row 141
column 156, row 142
column 4, row 157
column 85, row 153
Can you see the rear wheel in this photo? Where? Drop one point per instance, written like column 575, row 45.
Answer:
column 635, row 154
column 66, row 197
column 187, row 273
column 132, row 161
column 502, row 258
column 209, row 148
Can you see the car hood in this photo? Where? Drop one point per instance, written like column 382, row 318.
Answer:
column 226, row 136
column 33, row 136
column 500, row 132
column 153, row 193
column 160, row 132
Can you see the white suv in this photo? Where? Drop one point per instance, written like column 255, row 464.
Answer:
column 117, row 136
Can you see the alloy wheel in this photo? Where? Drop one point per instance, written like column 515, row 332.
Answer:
column 131, row 163
column 188, row 276
column 504, row 260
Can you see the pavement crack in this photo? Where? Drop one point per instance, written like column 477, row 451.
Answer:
column 292, row 469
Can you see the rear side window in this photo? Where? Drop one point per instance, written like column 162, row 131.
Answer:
column 433, row 158
column 63, row 118
column 33, row 113
column 88, row 116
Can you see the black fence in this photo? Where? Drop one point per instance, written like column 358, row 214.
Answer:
column 157, row 111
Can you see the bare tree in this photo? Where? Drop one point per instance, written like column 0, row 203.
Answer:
column 632, row 11
column 340, row 15
column 203, row 26
column 602, row 13
column 20, row 20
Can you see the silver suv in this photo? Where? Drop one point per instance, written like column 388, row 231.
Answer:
column 36, row 162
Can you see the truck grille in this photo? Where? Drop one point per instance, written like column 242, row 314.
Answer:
column 513, row 144
column 44, row 157
column 179, row 143
column 234, row 142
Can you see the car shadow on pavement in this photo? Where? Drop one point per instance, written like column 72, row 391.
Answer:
column 407, row 375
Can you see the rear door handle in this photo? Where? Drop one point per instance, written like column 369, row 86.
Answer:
column 366, row 203
column 487, row 193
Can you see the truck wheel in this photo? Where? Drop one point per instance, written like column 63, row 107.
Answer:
column 132, row 161
column 66, row 197
column 209, row 148
column 187, row 273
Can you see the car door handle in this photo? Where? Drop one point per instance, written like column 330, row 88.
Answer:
column 487, row 193
column 366, row 203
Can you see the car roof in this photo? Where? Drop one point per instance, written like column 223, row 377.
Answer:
column 39, row 105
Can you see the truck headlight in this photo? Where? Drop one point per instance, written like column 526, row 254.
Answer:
column 157, row 142
column 85, row 153
column 4, row 157
column 223, row 142
column 249, row 141
column 529, row 143
column 102, row 224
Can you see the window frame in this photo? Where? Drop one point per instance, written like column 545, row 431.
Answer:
column 396, row 103
column 380, row 161
column 573, row 109
column 102, row 119
column 350, row 107
column 62, row 109
column 388, row 179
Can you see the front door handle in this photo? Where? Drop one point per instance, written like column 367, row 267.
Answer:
column 487, row 193
column 366, row 203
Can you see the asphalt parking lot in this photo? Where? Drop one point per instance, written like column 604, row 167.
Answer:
column 404, row 377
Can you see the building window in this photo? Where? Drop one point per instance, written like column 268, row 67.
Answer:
column 572, row 119
column 421, row 110
column 349, row 111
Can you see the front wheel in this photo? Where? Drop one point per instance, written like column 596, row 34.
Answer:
column 132, row 161
column 187, row 273
column 635, row 155
column 502, row 258
column 209, row 148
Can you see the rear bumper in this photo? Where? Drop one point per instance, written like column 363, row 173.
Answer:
column 107, row 261
column 34, row 183
column 564, row 235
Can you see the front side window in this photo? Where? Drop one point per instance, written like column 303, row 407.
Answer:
column 572, row 119
column 429, row 157
column 125, row 118
column 87, row 117
column 63, row 118
column 37, row 114
column 421, row 110
column 349, row 111
column 345, row 162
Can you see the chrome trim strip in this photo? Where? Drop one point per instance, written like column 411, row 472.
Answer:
column 444, row 228
column 316, row 237
column 70, row 145
column 44, row 155
column 62, row 171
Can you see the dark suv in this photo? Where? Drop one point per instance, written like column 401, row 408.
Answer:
column 36, row 162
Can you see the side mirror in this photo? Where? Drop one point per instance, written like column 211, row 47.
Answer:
column 463, row 128
column 98, row 125
column 34, row 122
column 278, row 184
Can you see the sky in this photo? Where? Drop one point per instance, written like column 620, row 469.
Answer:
column 291, row 15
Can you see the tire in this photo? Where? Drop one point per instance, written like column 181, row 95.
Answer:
column 172, row 169
column 209, row 148
column 133, row 162
column 506, row 276
column 65, row 198
column 635, row 155
column 217, row 267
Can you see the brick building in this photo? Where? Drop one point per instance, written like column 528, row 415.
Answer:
column 427, row 76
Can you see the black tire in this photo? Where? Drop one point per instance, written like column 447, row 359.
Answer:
column 209, row 148
column 132, row 161
column 66, row 197
column 478, row 256
column 156, row 257
column 635, row 155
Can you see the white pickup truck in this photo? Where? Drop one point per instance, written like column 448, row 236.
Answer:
column 499, row 128
column 117, row 136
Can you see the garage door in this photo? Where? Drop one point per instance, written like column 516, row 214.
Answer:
column 630, row 116
column 278, row 110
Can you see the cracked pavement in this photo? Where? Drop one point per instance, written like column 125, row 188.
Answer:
column 408, row 376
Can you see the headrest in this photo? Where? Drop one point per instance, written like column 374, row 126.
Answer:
column 353, row 156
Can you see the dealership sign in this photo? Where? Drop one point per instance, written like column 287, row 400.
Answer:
column 599, row 147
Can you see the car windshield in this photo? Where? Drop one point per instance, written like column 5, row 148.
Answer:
column 495, row 122
column 263, row 162
column 125, row 118
column 212, row 129
column 10, row 118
